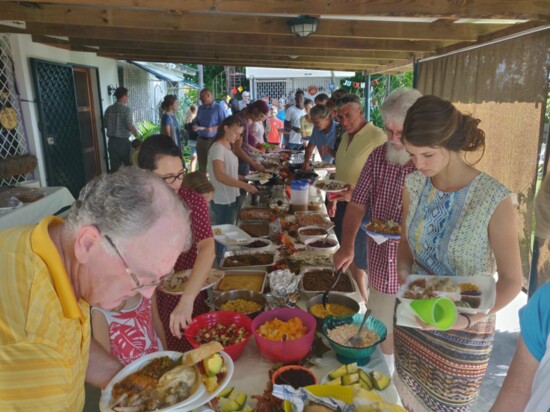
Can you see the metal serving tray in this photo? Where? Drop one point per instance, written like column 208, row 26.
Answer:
column 311, row 293
column 241, row 272
column 227, row 255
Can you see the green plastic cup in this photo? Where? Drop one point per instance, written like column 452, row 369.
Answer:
column 438, row 312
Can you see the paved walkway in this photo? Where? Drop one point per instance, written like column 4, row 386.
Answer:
column 506, row 336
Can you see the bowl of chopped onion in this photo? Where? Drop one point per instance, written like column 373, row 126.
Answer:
column 339, row 329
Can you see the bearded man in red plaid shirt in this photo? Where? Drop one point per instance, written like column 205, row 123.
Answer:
column 379, row 189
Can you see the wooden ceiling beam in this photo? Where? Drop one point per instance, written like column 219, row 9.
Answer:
column 218, row 23
column 232, row 40
column 475, row 9
column 244, row 49
column 249, row 59
column 238, row 62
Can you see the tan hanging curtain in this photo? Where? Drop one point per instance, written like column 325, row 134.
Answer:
column 506, row 86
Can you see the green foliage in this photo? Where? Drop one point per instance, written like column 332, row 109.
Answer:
column 381, row 85
column 147, row 128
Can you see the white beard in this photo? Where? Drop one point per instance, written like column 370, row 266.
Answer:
column 397, row 156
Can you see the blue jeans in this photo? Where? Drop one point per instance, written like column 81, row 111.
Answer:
column 224, row 214
column 360, row 245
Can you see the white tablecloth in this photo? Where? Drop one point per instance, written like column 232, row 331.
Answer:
column 30, row 213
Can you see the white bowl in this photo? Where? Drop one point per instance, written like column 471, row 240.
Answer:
column 329, row 250
column 303, row 237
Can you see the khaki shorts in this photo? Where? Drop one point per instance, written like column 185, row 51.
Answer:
column 383, row 307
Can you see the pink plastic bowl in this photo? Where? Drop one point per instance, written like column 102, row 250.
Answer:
column 226, row 319
column 285, row 351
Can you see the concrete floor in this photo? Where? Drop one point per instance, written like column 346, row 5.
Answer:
column 507, row 332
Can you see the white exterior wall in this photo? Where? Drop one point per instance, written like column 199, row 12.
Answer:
column 23, row 49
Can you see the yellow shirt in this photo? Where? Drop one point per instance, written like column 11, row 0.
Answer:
column 44, row 331
column 350, row 160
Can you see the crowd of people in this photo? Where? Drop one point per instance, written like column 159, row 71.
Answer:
column 75, row 292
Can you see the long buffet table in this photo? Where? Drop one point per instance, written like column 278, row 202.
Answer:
column 252, row 369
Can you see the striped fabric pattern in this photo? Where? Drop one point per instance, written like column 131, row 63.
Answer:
column 448, row 234
column 44, row 332
column 442, row 371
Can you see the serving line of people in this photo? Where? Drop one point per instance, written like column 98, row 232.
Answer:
column 130, row 229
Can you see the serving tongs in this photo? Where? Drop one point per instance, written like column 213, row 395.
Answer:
column 324, row 298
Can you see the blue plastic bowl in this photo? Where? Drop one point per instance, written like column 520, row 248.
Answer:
column 347, row 354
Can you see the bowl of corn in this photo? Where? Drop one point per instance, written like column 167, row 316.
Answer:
column 338, row 305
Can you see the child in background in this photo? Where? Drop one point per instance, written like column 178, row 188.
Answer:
column 223, row 167
column 276, row 131
column 129, row 331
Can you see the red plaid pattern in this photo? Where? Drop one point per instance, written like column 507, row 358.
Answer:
column 380, row 187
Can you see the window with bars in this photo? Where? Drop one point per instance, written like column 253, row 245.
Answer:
column 12, row 137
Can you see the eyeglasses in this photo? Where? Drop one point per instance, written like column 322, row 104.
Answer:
column 132, row 274
column 172, row 179
column 393, row 132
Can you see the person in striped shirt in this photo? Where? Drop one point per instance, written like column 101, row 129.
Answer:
column 379, row 188
column 121, row 237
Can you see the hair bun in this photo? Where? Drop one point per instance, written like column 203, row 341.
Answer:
column 474, row 137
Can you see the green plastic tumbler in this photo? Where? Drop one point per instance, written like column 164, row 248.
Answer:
column 438, row 312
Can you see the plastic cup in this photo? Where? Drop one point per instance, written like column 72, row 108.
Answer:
column 439, row 312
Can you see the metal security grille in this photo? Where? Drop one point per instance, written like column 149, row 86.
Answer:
column 12, row 141
column 59, row 124
column 273, row 89
column 138, row 83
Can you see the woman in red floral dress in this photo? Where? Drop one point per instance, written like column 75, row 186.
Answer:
column 160, row 154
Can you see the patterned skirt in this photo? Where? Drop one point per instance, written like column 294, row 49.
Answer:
column 166, row 304
column 442, row 371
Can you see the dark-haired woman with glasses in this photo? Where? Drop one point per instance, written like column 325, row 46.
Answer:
column 160, row 155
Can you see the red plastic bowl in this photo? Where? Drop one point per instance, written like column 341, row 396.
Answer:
column 226, row 319
column 290, row 350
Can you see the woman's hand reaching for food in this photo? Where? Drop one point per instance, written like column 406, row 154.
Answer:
column 181, row 316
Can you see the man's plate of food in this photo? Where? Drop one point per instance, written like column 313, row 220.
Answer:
column 471, row 294
column 177, row 283
column 331, row 186
column 387, row 229
column 259, row 177
column 169, row 381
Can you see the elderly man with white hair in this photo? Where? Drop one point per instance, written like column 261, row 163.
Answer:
column 379, row 189
column 121, row 238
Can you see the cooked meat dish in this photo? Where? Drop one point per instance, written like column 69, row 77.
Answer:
column 322, row 279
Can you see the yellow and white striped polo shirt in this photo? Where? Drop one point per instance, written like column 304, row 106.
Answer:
column 44, row 331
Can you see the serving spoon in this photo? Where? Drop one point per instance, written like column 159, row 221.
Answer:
column 324, row 298
column 356, row 340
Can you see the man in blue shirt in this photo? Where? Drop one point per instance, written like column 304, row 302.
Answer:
column 209, row 116
column 323, row 136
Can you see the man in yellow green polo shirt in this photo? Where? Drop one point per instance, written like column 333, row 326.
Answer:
column 122, row 236
column 358, row 142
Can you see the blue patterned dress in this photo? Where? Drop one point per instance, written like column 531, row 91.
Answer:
column 448, row 235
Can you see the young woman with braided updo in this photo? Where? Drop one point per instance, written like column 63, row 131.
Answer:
column 457, row 221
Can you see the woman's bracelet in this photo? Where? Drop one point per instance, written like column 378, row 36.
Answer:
column 468, row 319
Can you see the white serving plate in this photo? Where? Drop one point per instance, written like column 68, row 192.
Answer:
column 199, row 398
column 214, row 277
column 389, row 394
column 230, row 235
column 486, row 284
